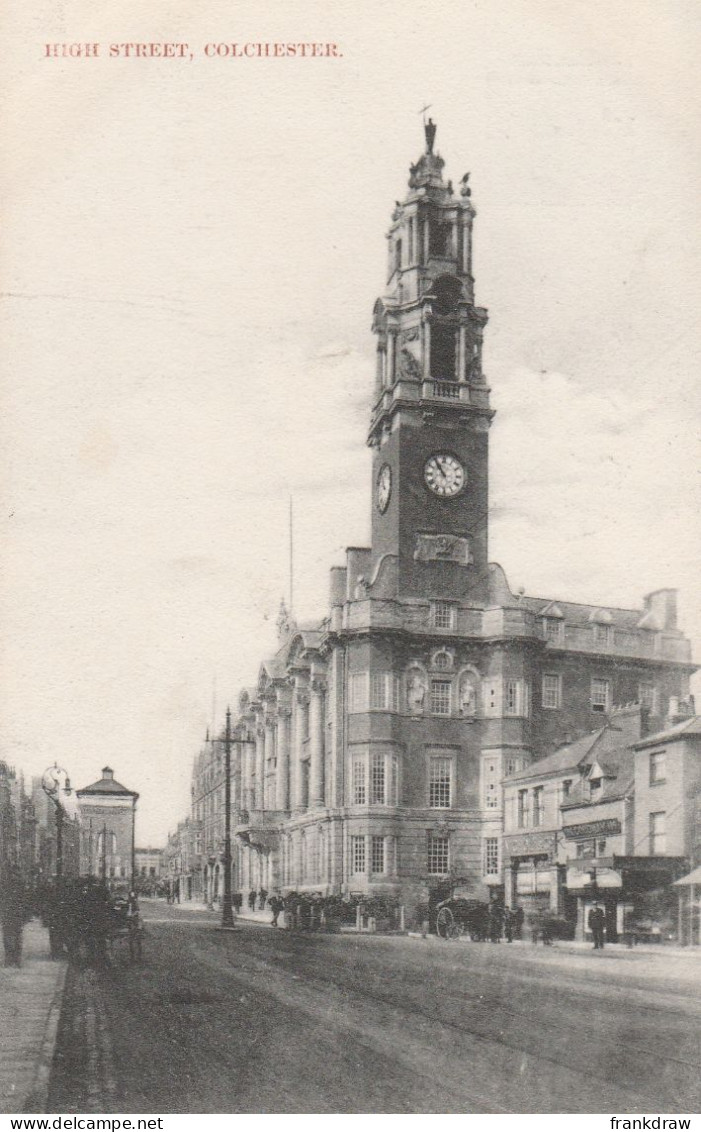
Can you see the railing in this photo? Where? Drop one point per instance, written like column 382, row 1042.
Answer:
column 447, row 389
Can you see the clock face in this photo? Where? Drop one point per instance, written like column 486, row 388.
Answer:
column 384, row 487
column 444, row 475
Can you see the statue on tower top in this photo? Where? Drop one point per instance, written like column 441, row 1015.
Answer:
column 430, row 131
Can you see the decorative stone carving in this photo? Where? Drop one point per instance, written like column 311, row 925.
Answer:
column 442, row 548
column 467, row 694
column 318, row 685
column 409, row 335
column 361, row 588
column 416, row 689
column 408, row 366
column 465, row 190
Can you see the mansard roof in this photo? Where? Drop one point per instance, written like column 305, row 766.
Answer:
column 576, row 613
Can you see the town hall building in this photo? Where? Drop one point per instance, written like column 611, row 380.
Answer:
column 370, row 756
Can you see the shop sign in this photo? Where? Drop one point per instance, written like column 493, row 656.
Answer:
column 592, row 828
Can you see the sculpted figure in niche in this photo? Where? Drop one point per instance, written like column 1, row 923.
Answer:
column 408, row 366
column 467, row 696
column 416, row 689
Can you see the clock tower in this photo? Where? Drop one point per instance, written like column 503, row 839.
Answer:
column 431, row 416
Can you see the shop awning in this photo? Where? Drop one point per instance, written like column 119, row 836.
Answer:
column 692, row 878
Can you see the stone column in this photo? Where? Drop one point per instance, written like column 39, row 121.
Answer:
column 316, row 744
column 282, row 800
column 259, row 797
column 391, row 358
column 301, row 699
column 269, row 747
column 461, row 375
column 426, row 239
column 426, row 328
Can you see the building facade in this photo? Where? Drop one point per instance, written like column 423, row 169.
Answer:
column 107, row 818
column 370, row 755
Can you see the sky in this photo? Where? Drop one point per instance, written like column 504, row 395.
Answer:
column 191, row 253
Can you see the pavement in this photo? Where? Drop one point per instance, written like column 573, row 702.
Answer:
column 30, row 1005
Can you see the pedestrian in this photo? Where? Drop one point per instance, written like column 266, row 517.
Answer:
column 597, row 922
column 496, row 920
column 237, row 901
column 276, row 905
column 518, row 921
column 252, row 899
column 14, row 910
column 508, row 925
column 263, row 894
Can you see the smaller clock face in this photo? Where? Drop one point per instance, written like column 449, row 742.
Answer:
column 384, row 487
column 444, row 475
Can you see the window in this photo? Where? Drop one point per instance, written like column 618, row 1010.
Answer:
column 358, row 854
column 359, row 691
column 439, row 239
column 603, row 635
column 440, row 697
column 443, row 615
column 384, row 691
column 658, row 767
column 491, row 856
column 513, row 765
column 439, row 783
column 565, row 788
column 647, row 696
column 443, row 661
column 443, row 343
column 491, row 773
column 586, row 850
column 523, row 809
column 359, row 787
column 438, row 854
column 553, row 629
column 658, row 833
column 594, row 788
column 516, row 697
column 377, row 855
column 551, row 690
column 538, row 805
column 600, row 694
column 398, row 255
column 377, row 779
column 601, row 847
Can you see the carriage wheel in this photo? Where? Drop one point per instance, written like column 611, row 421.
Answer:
column 445, row 923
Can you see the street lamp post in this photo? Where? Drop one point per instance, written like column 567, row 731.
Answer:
column 55, row 781
column 227, row 919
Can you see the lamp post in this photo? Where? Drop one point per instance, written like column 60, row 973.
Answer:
column 54, row 782
column 227, row 915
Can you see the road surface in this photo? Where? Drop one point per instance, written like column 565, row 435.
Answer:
column 264, row 1021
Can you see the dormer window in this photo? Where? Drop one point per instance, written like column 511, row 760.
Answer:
column 553, row 630
column 603, row 635
column 594, row 788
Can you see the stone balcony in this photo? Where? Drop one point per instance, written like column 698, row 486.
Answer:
column 260, row 828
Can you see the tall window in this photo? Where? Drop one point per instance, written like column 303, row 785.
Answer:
column 600, row 694
column 523, row 809
column 359, row 691
column 443, row 615
column 551, row 690
column 377, row 854
column 647, row 696
column 358, row 853
column 439, row 781
column 658, row 767
column 538, row 805
column 490, row 782
column 359, row 789
column 440, row 697
column 553, row 629
column 438, row 854
column 603, row 635
column 491, row 856
column 377, row 779
column 658, row 833
column 384, row 691
column 516, row 697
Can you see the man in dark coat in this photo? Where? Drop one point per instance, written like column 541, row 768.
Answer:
column 597, row 922
column 14, row 910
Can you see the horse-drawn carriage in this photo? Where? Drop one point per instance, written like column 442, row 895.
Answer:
column 125, row 928
column 462, row 915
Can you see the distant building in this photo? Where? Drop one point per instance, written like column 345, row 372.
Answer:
column 107, row 814
column 148, row 863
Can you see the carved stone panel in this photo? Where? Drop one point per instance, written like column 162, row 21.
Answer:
column 442, row 548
